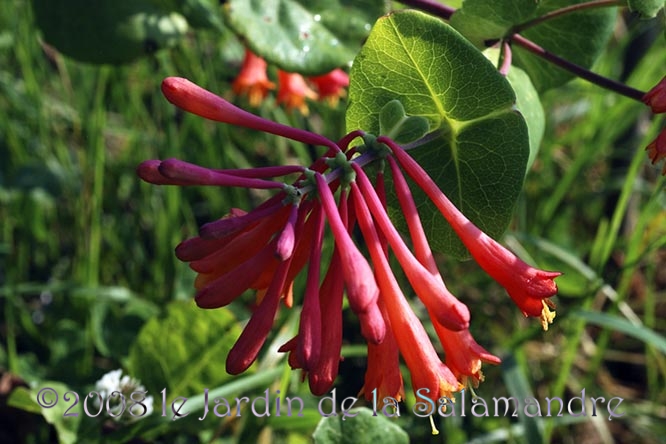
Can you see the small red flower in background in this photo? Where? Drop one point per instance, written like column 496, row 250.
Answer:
column 252, row 81
column 266, row 248
column 293, row 90
column 657, row 150
column 331, row 86
column 656, row 97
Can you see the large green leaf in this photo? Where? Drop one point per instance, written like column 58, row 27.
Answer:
column 309, row 37
column 481, row 20
column 190, row 357
column 479, row 159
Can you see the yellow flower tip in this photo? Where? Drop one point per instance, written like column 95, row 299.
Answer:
column 547, row 316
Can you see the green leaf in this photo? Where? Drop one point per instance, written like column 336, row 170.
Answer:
column 481, row 20
column 562, row 36
column 191, row 356
column 616, row 323
column 310, row 37
column 108, row 31
column 527, row 102
column 646, row 8
column 58, row 405
column 394, row 123
column 479, row 158
column 361, row 428
column 202, row 13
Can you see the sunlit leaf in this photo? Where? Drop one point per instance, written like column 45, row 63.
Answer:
column 480, row 157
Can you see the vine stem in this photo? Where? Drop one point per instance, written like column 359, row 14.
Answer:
column 445, row 12
column 432, row 6
column 578, row 70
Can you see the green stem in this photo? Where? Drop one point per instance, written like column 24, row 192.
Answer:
column 563, row 11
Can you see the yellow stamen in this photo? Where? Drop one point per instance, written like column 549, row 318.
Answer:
column 547, row 316
column 433, row 429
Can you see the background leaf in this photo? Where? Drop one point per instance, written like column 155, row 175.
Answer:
column 481, row 20
column 562, row 37
column 479, row 160
column 527, row 102
column 308, row 37
column 617, row 323
column 646, row 8
column 66, row 426
column 108, row 31
column 363, row 428
column 190, row 361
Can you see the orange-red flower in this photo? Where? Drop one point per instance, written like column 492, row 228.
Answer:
column 331, row 86
column 252, row 81
column 656, row 97
column 293, row 90
column 529, row 287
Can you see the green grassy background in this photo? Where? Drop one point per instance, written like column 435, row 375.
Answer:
column 86, row 249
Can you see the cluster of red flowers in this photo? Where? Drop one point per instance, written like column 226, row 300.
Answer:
column 656, row 100
column 293, row 88
column 266, row 248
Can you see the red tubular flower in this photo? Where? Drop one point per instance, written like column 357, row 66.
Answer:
column 361, row 287
column 529, row 287
column 309, row 332
column 264, row 250
column 252, row 80
column 464, row 355
column 656, row 97
column 293, row 90
column 245, row 350
column 657, row 150
column 430, row 288
column 383, row 371
column 323, row 374
column 194, row 99
column 426, row 369
column 331, row 86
